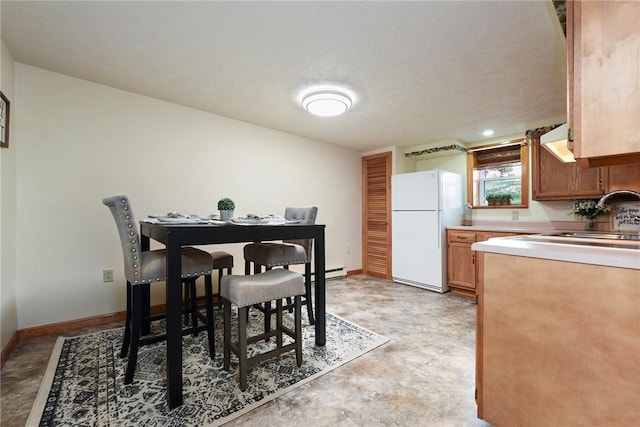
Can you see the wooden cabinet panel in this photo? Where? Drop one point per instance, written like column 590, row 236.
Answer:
column 555, row 180
column 625, row 177
column 603, row 42
column 548, row 334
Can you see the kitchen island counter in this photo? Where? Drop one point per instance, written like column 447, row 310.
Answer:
column 584, row 251
column 558, row 332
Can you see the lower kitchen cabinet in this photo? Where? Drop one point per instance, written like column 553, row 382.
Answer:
column 565, row 352
column 462, row 262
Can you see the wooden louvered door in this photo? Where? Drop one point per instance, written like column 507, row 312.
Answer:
column 376, row 211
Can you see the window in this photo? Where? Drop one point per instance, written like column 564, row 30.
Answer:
column 497, row 175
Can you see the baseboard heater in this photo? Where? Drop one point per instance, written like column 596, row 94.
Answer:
column 332, row 273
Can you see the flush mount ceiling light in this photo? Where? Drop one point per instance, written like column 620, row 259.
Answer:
column 487, row 132
column 326, row 103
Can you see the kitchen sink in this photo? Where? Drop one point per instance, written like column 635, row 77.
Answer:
column 595, row 235
column 588, row 238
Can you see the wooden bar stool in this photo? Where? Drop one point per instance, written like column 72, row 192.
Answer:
column 245, row 291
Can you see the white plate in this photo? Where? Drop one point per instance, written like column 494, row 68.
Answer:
column 179, row 220
column 250, row 220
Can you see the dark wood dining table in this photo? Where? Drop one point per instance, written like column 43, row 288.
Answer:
column 175, row 236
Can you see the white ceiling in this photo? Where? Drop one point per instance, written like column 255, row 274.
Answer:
column 422, row 71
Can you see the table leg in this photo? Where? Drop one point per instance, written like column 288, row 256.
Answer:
column 145, row 295
column 320, row 289
column 174, row 326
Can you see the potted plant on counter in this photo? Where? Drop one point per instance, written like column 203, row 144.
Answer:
column 492, row 199
column 505, row 199
column 226, row 207
column 589, row 210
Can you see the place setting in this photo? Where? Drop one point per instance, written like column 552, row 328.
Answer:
column 249, row 219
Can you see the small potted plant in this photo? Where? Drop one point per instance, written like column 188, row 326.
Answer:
column 226, row 207
column 492, row 198
column 505, row 199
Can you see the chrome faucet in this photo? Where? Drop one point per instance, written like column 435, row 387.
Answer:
column 613, row 193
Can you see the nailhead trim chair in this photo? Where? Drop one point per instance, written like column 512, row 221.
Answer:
column 245, row 291
column 289, row 252
column 141, row 269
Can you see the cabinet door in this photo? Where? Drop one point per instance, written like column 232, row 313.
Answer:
column 604, row 97
column 461, row 260
column 462, row 270
column 625, row 177
column 555, row 180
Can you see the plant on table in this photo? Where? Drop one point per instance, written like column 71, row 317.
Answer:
column 226, row 207
column 226, row 204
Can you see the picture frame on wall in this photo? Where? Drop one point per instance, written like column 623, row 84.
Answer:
column 4, row 121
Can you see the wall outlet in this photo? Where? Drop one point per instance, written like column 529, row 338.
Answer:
column 348, row 250
column 107, row 275
column 514, row 215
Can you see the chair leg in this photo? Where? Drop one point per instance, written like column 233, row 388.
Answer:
column 289, row 302
column 227, row 334
column 278, row 323
column 267, row 311
column 127, row 324
column 307, row 287
column 194, row 306
column 298, row 329
column 208, row 294
column 242, row 347
column 219, row 281
column 145, row 303
column 136, row 323
column 186, row 300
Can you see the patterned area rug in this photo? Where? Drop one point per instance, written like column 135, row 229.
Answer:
column 84, row 385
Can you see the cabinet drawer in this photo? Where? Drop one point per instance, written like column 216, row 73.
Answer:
column 488, row 235
column 461, row 237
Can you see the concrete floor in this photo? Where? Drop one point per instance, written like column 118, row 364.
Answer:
column 423, row 377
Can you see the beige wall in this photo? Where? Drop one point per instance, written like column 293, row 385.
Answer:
column 78, row 142
column 8, row 301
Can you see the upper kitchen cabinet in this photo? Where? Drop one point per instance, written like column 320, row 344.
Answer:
column 603, row 40
column 625, row 177
column 555, row 180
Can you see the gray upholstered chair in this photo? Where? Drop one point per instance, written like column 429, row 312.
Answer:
column 245, row 291
column 289, row 252
column 141, row 269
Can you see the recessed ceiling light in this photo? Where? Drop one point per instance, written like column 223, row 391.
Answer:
column 326, row 103
column 487, row 132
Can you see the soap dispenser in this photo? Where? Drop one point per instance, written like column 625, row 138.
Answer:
column 467, row 215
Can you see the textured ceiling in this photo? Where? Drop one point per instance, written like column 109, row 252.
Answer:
column 422, row 71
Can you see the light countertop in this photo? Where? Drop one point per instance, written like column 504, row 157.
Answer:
column 531, row 227
column 583, row 252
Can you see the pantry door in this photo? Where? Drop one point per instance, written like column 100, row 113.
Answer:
column 376, row 212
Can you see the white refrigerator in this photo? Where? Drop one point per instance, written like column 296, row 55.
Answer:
column 423, row 204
